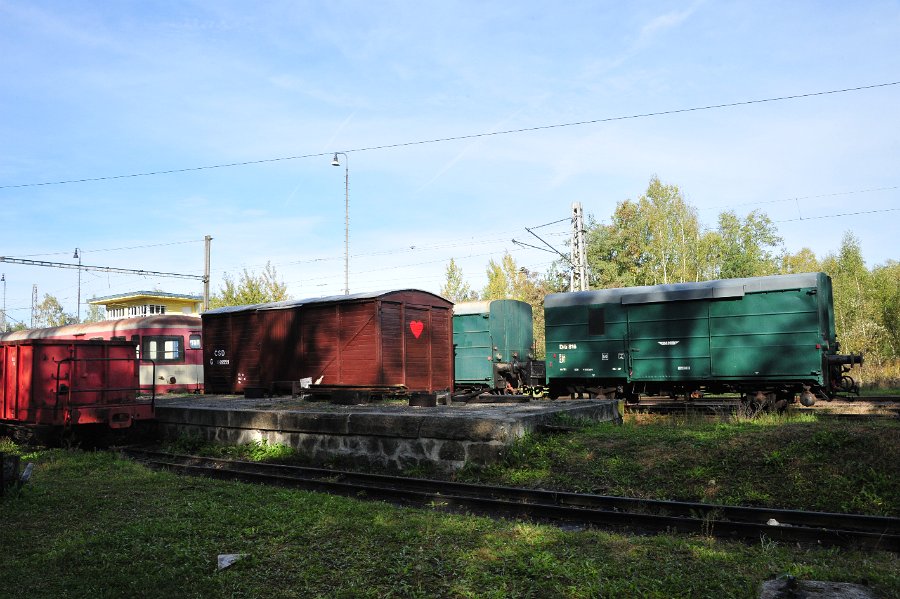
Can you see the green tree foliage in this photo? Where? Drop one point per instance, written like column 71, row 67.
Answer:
column 886, row 295
column 856, row 310
column 746, row 247
column 251, row 289
column 505, row 279
column 658, row 239
column 652, row 241
column 803, row 261
column 95, row 313
column 49, row 313
column 455, row 287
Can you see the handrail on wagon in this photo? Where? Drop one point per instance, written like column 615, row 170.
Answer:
column 68, row 391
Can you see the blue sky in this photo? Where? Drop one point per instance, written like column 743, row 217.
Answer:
column 102, row 89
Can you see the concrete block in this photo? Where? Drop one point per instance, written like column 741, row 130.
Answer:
column 387, row 425
column 253, row 419
column 460, row 428
column 314, row 422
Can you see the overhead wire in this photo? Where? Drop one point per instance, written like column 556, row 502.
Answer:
column 461, row 137
column 791, row 220
column 90, row 251
column 794, row 199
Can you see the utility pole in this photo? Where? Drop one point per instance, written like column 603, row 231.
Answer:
column 206, row 243
column 33, row 303
column 579, row 279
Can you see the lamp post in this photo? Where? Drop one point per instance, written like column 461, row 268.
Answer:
column 3, row 320
column 78, row 255
column 336, row 162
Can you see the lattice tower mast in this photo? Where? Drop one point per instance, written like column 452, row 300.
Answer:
column 579, row 276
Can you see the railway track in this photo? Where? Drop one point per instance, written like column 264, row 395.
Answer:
column 640, row 515
column 878, row 407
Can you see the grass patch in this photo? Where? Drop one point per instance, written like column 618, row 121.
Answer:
column 776, row 461
column 258, row 451
column 93, row 525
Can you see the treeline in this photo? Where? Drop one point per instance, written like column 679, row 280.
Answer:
column 658, row 239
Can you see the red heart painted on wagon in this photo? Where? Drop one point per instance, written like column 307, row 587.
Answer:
column 416, row 326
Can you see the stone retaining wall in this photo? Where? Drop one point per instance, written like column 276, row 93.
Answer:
column 394, row 439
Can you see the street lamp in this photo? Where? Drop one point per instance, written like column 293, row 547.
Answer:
column 78, row 255
column 3, row 320
column 336, row 162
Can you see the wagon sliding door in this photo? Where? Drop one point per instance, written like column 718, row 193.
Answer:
column 669, row 341
column 218, row 355
column 416, row 346
column 417, row 332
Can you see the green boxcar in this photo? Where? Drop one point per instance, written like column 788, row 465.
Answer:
column 765, row 335
column 493, row 340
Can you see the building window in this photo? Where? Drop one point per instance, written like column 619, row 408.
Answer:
column 163, row 348
column 114, row 313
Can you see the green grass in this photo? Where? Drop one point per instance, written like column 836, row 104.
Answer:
column 93, row 525
column 879, row 391
column 786, row 462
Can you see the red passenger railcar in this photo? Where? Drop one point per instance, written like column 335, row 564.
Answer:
column 169, row 346
column 388, row 338
column 63, row 383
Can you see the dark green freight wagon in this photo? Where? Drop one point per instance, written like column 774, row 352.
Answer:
column 493, row 344
column 768, row 338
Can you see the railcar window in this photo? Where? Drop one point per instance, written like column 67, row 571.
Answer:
column 163, row 348
column 194, row 342
column 596, row 321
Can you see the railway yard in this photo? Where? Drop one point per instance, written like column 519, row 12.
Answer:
column 684, row 440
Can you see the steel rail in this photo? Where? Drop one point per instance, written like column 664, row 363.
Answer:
column 869, row 532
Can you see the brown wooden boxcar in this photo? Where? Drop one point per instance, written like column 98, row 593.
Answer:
column 402, row 337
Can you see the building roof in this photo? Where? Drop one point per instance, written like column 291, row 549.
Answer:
column 134, row 295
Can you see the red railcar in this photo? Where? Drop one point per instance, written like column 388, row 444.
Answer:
column 63, row 383
column 169, row 345
column 389, row 338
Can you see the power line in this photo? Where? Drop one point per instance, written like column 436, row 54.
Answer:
column 133, row 247
column 111, row 269
column 463, row 137
column 791, row 220
column 824, row 195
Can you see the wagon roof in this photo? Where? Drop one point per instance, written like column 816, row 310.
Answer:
column 112, row 326
column 472, row 307
column 287, row 304
column 482, row 307
column 683, row 291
